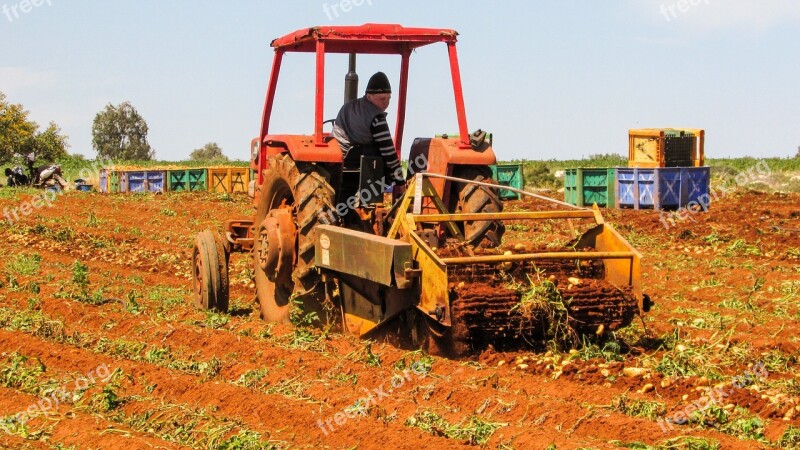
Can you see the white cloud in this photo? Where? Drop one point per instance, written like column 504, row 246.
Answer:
column 716, row 15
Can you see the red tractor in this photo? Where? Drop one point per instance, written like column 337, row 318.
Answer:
column 359, row 261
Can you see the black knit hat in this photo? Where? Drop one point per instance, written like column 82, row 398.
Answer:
column 379, row 84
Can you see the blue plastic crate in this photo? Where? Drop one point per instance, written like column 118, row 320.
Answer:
column 134, row 181
column 697, row 181
column 156, row 181
column 143, row 181
column 661, row 187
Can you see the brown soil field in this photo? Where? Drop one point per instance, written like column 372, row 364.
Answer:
column 101, row 346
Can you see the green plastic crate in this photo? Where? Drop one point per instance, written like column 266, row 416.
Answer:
column 510, row 175
column 585, row 187
column 188, row 180
column 109, row 181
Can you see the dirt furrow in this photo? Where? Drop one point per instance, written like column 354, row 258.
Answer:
column 288, row 421
column 65, row 425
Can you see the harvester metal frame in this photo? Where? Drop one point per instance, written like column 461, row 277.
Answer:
column 363, row 314
column 621, row 260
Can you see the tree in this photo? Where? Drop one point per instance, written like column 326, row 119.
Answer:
column 119, row 132
column 50, row 144
column 20, row 135
column 209, row 152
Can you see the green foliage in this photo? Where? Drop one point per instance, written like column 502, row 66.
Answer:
column 195, row 428
column 92, row 221
column 107, row 400
column 417, row 361
column 638, row 408
column 50, row 144
column 24, row 264
column 736, row 165
column 750, row 427
column 678, row 443
column 20, row 372
column 208, row 152
column 59, row 235
column 20, row 135
column 120, row 133
column 740, row 247
column 710, row 416
column 78, row 288
column 252, row 378
column 157, row 355
column 76, row 166
column 688, row 362
column 304, row 335
column 16, row 131
column 545, row 300
column 790, row 438
column 246, row 440
column 474, row 430
column 371, row 359
column 216, row 320
column 610, row 351
column 539, row 174
column 131, row 305
column 80, row 275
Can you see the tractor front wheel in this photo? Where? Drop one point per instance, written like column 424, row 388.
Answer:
column 210, row 274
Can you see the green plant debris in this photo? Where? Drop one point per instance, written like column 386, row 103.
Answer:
column 474, row 430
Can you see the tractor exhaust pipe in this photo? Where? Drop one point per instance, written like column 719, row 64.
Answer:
column 351, row 81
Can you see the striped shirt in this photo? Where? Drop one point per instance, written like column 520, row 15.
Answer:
column 383, row 140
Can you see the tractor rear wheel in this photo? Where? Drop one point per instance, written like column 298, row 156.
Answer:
column 293, row 200
column 472, row 198
column 210, row 275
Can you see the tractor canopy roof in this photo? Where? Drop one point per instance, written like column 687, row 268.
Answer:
column 367, row 38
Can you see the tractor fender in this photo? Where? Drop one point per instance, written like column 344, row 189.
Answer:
column 441, row 155
column 299, row 147
column 302, row 148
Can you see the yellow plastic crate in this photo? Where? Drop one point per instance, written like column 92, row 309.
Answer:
column 666, row 147
column 228, row 179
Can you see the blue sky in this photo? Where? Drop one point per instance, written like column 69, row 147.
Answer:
column 551, row 79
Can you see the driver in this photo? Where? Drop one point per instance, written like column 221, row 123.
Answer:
column 361, row 128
